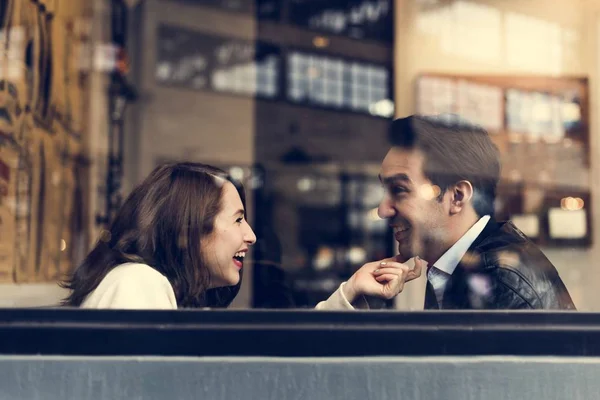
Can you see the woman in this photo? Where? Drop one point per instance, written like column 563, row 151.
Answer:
column 178, row 241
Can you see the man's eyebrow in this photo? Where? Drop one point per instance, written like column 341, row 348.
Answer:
column 397, row 177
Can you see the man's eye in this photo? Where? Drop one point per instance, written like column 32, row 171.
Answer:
column 398, row 190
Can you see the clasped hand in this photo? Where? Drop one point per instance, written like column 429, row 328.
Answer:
column 384, row 278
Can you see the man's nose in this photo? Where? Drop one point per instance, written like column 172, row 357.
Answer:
column 385, row 209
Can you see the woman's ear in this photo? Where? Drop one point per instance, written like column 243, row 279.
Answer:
column 461, row 195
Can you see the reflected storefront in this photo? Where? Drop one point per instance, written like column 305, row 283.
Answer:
column 299, row 95
column 294, row 98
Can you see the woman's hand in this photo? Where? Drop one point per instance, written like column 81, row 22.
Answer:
column 384, row 278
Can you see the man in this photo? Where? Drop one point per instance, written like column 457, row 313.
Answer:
column 440, row 185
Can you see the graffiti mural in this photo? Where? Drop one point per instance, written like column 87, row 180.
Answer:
column 41, row 132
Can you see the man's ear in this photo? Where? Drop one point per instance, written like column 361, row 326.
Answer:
column 461, row 194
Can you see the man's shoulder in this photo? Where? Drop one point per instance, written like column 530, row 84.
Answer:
column 512, row 257
column 508, row 247
column 521, row 268
column 520, row 273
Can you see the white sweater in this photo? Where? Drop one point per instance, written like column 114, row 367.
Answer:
column 139, row 286
column 132, row 286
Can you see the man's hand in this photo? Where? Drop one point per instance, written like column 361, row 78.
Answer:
column 384, row 279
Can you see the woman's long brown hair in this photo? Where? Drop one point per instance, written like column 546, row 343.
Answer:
column 162, row 224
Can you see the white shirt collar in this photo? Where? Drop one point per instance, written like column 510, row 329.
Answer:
column 450, row 259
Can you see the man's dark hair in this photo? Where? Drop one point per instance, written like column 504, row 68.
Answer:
column 454, row 151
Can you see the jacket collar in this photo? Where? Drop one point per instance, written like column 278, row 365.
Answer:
column 456, row 295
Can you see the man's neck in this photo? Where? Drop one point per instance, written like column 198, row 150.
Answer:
column 458, row 226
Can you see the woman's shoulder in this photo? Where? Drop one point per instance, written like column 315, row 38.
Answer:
column 132, row 285
column 135, row 271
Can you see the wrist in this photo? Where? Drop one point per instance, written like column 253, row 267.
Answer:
column 349, row 291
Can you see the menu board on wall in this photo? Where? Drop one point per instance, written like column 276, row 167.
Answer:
column 358, row 19
column 542, row 115
column 202, row 61
column 478, row 103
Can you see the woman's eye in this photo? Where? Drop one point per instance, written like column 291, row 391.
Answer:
column 239, row 220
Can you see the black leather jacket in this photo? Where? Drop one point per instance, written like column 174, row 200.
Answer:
column 503, row 269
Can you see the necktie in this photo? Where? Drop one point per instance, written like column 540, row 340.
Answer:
column 437, row 280
column 431, row 302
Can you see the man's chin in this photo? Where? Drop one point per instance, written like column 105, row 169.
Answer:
column 404, row 254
